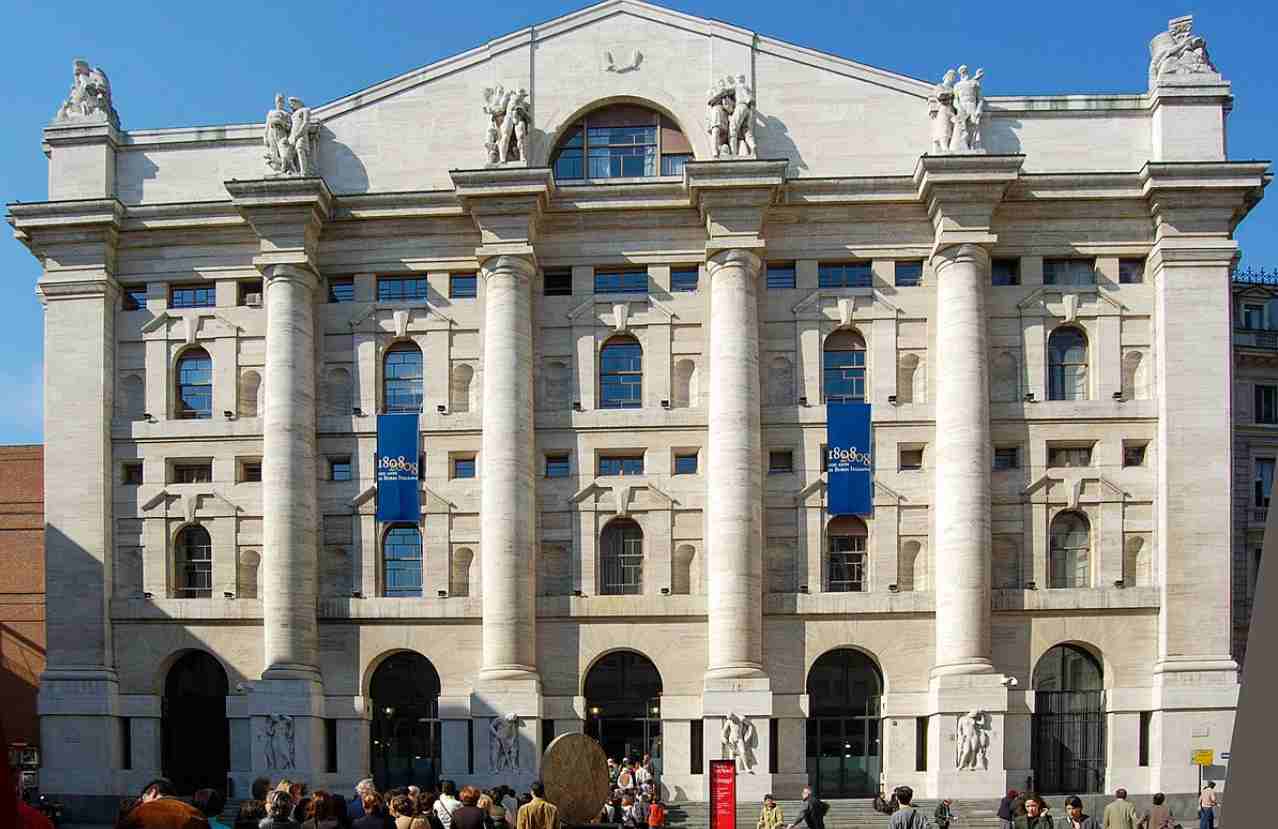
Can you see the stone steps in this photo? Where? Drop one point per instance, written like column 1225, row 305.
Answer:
column 842, row 814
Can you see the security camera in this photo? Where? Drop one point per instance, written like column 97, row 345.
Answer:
column 1010, row 682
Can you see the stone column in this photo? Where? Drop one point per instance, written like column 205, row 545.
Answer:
column 734, row 507
column 962, row 462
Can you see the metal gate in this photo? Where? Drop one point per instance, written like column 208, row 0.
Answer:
column 1068, row 749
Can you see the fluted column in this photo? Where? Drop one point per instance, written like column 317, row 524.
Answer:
column 734, row 508
column 288, row 475
column 508, row 491
column 962, row 471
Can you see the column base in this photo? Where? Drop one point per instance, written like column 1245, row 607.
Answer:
column 966, row 705
column 286, row 728
column 80, row 741
column 746, row 704
column 1195, row 702
column 517, row 693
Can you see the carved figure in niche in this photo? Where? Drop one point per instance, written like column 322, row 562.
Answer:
column 1178, row 51
column 288, row 138
column 507, row 122
column 503, row 745
column 277, row 741
column 730, row 118
column 973, row 739
column 969, row 106
column 738, row 740
column 90, row 96
column 940, row 106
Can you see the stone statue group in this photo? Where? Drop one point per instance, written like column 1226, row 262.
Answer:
column 90, row 95
column 506, row 111
column 289, row 139
column 956, row 107
column 730, row 118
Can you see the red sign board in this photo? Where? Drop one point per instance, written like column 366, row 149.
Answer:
column 723, row 794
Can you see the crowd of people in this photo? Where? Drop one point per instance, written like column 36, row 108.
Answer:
column 634, row 799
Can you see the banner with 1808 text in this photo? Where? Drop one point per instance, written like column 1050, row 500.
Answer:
column 849, row 461
column 398, row 488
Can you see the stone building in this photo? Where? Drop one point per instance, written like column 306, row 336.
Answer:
column 621, row 304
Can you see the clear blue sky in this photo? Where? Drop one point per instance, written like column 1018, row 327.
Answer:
column 183, row 64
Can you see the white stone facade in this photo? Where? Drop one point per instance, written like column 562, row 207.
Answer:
column 957, row 603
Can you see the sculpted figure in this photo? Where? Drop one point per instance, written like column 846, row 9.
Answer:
column 504, row 742
column 742, row 124
column 969, row 106
column 275, row 135
column 737, row 738
column 288, row 139
column 506, row 113
column 283, row 740
column 494, row 112
column 268, row 743
column 730, row 118
column 90, row 95
column 941, row 110
column 299, row 137
column 1178, row 51
column 973, row 741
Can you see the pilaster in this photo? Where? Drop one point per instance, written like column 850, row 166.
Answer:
column 81, row 159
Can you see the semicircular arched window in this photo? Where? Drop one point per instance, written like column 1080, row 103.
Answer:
column 194, row 386
column 621, row 141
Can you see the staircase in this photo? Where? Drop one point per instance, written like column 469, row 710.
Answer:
column 843, row 814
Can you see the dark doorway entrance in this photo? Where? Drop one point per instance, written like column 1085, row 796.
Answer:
column 405, row 732
column 623, row 703
column 196, row 741
column 1069, row 723
column 844, row 747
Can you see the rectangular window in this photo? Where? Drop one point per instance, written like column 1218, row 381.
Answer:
column 1133, row 454
column 1005, row 272
column 462, row 286
column 1266, row 404
column 911, row 459
column 685, row 464
column 402, row 288
column 192, row 296
column 341, row 290
column 621, row 465
column 1131, row 271
column 780, row 277
column 774, row 745
column 1069, row 456
column 909, row 274
column 696, row 748
column 557, row 283
column 780, row 462
column 126, row 743
column 1069, row 272
column 825, row 459
column 132, row 474
column 557, row 466
column 844, row 275
column 1143, row 751
column 134, row 297
column 339, row 469
column 621, row 282
column 1007, row 457
column 192, row 473
column 251, row 472
column 1264, row 484
column 672, row 165
column 621, row 152
column 920, row 743
column 249, row 292
column 464, row 467
column 1253, row 317
column 684, row 279
column 846, row 563
column 330, row 746
column 421, row 467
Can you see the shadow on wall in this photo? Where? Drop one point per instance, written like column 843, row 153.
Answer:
column 21, row 662
column 348, row 174
column 774, row 141
column 1001, row 137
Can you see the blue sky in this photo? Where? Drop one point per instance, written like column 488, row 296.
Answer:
column 184, row 64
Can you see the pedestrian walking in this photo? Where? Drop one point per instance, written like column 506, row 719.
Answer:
column 1120, row 813
column 812, row 815
column 1074, row 816
column 1207, row 807
column 943, row 814
column 1159, row 815
column 906, row 816
column 1005, row 815
column 1035, row 816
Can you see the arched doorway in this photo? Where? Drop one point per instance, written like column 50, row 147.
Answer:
column 844, row 747
column 196, row 741
column 623, row 705
column 405, row 732
column 1069, row 722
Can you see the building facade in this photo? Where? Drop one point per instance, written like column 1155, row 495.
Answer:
column 22, row 643
column 621, row 305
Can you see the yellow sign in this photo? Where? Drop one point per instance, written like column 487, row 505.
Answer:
column 1202, row 757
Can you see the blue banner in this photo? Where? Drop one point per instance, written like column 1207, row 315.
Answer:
column 849, row 459
column 399, row 492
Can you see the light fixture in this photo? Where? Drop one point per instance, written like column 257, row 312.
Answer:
column 441, row 408
column 892, row 588
column 595, row 710
column 803, row 401
column 577, row 593
column 148, row 596
column 803, row 588
column 576, row 406
column 1118, row 395
column 665, row 404
column 228, row 595
column 1118, row 583
column 892, row 399
column 228, row 414
column 443, row 594
column 389, row 710
column 148, row 417
column 355, row 594
column 1029, row 585
column 357, row 411
column 665, row 591
column 1029, row 397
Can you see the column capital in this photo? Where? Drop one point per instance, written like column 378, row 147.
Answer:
column 1202, row 201
column 742, row 257
column 506, row 204
column 960, row 252
column 75, row 241
column 522, row 265
column 288, row 216
column 961, row 193
column 733, row 198
column 302, row 275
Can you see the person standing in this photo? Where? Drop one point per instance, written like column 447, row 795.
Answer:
column 1207, row 807
column 468, row 815
column 906, row 816
column 538, row 813
column 943, row 814
column 1018, row 805
column 1159, row 815
column 1005, row 815
column 447, row 803
column 1075, row 819
column 355, row 809
column 1120, row 814
column 812, row 814
column 1035, row 816
column 770, row 817
column 279, row 810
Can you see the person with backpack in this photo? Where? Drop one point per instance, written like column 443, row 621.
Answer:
column 656, row 813
column 943, row 814
column 813, row 812
column 906, row 817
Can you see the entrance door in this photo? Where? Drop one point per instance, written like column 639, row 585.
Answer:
column 623, row 700
column 405, row 732
column 196, row 741
column 844, row 748
column 1069, row 723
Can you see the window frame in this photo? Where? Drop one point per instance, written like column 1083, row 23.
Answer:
column 628, row 560
column 832, row 372
column 623, row 460
column 245, row 467
column 1133, row 446
column 459, row 462
column 553, row 462
column 385, row 282
column 626, row 280
column 398, row 387
column 621, row 372
column 387, row 569
column 684, row 456
column 912, row 282
column 185, row 566
column 337, row 461
column 1072, row 566
column 901, row 451
column 854, row 273
column 199, row 472
column 1259, row 499
column 685, row 287
column 1016, row 458
column 1265, row 407
column 181, row 410
column 1011, row 271
column 245, row 287
column 462, row 279
column 1059, row 370
column 855, row 559
column 557, row 273
column 337, row 290
column 1072, row 263
column 203, row 295
column 781, row 269
column 1067, row 447
column 129, row 295
column 783, row 469
column 127, row 478
column 1127, row 265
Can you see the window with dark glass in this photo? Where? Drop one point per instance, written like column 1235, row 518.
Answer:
column 402, row 288
column 339, row 469
column 621, row 374
column 846, row 555
column 844, row 275
column 1133, row 454
column 780, row 462
column 194, row 386
column 192, row 296
column 1069, row 456
column 462, row 286
column 402, row 378
column 193, row 473
column 1253, row 316
column 194, row 563
column 780, row 277
column 844, row 369
column 1131, row 271
column 1264, row 482
column 341, row 290
column 621, row 282
column 132, row 474
column 1005, row 272
column 909, row 274
column 464, row 467
column 683, row 279
column 1142, row 751
column 621, row 141
column 249, row 292
column 1266, row 404
column 1067, row 364
column 911, row 459
column 685, row 464
column 621, row 558
column 557, row 283
column 696, row 747
column 621, row 464
column 1069, row 272
column 621, row 151
column 1007, row 457
column 251, row 472
column 402, row 562
column 1069, row 551
column 557, row 466
column 825, row 458
column 134, row 297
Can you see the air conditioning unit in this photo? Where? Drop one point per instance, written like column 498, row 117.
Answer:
column 254, row 300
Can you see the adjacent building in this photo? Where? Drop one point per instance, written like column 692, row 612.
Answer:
column 22, row 643
column 621, row 305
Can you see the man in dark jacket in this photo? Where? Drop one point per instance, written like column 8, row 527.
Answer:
column 1074, row 817
column 813, row 812
column 906, row 817
column 1005, row 815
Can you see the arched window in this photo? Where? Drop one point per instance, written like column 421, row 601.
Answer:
column 621, row 558
column 194, row 560
column 1067, row 364
column 621, row 141
column 402, row 378
column 909, row 376
column 844, row 368
column 1134, row 376
column 459, row 388
column 845, row 553
column 402, row 561
column 246, row 580
column 1137, row 566
column 621, row 374
column 1070, row 551
column 250, row 386
column 194, row 386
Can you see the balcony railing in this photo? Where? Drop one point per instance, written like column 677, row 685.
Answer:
column 1256, row 338
column 1256, row 276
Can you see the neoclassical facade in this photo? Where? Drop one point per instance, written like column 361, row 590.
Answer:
column 621, row 305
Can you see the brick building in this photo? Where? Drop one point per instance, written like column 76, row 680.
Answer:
column 21, row 589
